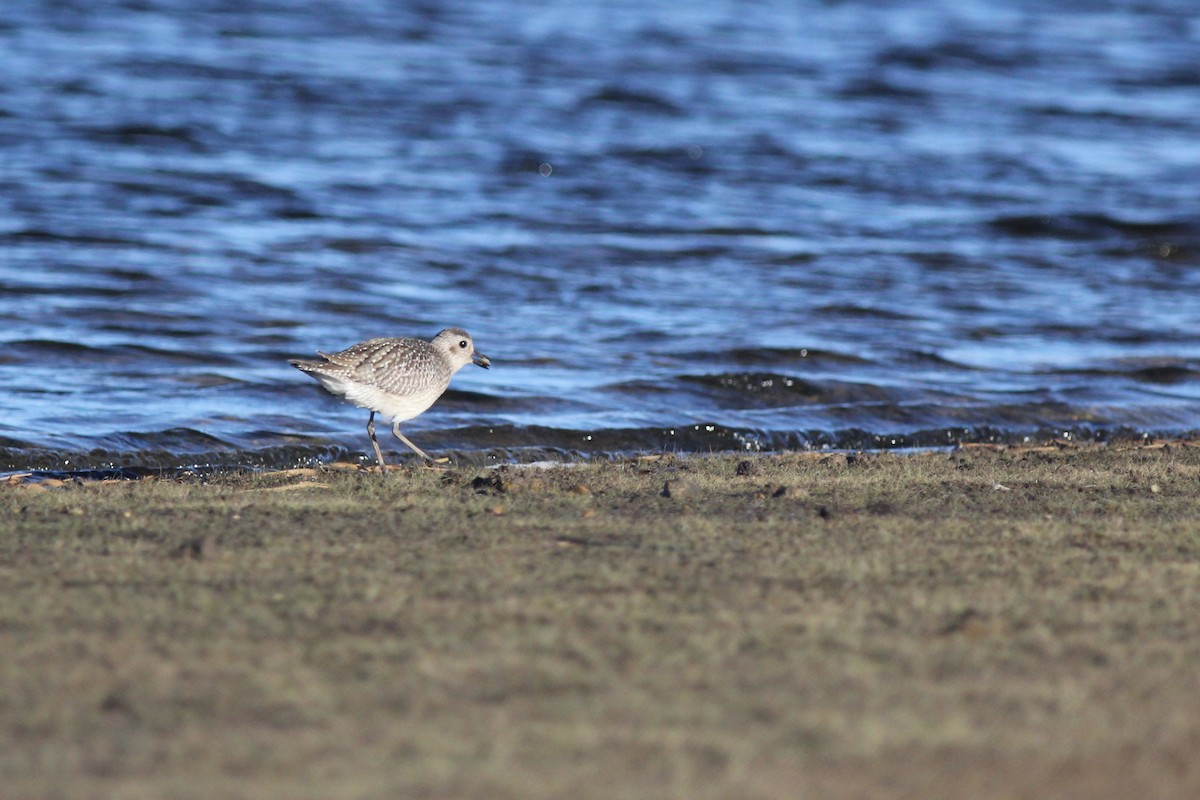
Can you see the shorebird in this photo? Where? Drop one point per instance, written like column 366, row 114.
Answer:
column 396, row 378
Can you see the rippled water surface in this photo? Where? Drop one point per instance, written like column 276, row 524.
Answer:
column 670, row 225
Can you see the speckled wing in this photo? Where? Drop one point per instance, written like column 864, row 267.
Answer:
column 395, row 366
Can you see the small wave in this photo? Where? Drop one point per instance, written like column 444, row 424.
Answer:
column 758, row 384
column 139, row 134
column 219, row 188
column 488, row 403
column 745, row 390
column 957, row 53
column 685, row 160
column 642, row 101
column 207, row 380
column 1161, row 374
column 926, row 359
column 883, row 89
column 33, row 350
column 855, row 311
column 357, row 245
column 58, row 237
column 1062, row 110
column 200, row 356
column 1167, row 373
column 738, row 231
column 171, row 440
column 775, row 356
column 1086, row 226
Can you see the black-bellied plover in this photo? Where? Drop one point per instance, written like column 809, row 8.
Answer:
column 397, row 378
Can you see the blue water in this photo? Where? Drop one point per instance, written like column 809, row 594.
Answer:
column 747, row 225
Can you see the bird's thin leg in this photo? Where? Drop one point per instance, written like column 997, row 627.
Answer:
column 415, row 449
column 374, row 443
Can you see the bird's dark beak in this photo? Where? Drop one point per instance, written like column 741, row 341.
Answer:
column 481, row 360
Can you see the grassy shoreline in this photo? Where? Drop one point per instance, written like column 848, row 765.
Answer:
column 983, row 623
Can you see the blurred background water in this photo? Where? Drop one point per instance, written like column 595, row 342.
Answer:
column 681, row 226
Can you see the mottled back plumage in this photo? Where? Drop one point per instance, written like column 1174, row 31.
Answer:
column 398, row 366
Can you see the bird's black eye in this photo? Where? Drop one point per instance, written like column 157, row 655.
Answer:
column 463, row 344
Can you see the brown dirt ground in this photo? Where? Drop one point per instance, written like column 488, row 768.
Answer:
column 983, row 623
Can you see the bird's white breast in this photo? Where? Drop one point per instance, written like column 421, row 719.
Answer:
column 395, row 407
